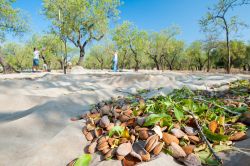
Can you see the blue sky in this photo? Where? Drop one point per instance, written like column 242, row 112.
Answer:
column 151, row 15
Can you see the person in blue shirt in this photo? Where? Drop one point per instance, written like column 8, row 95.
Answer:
column 115, row 61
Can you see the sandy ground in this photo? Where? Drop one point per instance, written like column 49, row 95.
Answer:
column 35, row 110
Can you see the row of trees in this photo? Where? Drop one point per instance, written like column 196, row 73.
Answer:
column 78, row 23
column 162, row 50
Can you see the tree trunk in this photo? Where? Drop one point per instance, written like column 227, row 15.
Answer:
column 82, row 53
column 208, row 62
column 229, row 56
column 136, row 64
column 101, row 65
column 65, row 58
column 156, row 63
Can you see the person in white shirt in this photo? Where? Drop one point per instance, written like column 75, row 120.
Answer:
column 115, row 61
column 36, row 54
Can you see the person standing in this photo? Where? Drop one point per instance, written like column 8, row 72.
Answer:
column 115, row 61
column 35, row 60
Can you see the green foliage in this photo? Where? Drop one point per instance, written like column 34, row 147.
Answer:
column 213, row 136
column 81, row 21
column 163, row 119
column 84, row 160
column 178, row 114
column 12, row 20
column 130, row 39
column 118, row 130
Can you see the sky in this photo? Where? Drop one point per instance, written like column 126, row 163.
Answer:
column 150, row 15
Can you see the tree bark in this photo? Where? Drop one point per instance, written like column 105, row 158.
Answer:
column 208, row 61
column 82, row 53
column 156, row 63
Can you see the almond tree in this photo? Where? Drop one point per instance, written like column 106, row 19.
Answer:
column 11, row 21
column 218, row 17
column 81, row 21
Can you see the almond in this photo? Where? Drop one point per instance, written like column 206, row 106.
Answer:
column 89, row 136
column 194, row 139
column 158, row 148
column 178, row 133
column 168, row 138
column 188, row 149
column 151, row 142
column 176, row 150
column 106, row 150
column 92, row 147
column 143, row 134
column 109, row 154
column 238, row 136
column 124, row 149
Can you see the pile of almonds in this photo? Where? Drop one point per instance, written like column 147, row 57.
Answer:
column 136, row 143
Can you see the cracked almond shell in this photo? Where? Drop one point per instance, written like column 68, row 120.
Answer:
column 158, row 148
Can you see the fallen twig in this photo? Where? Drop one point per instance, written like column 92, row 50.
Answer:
column 205, row 138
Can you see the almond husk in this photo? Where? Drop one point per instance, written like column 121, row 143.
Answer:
column 168, row 138
column 98, row 132
column 102, row 139
column 102, row 146
column 194, row 139
column 120, row 157
column 188, row 149
column 89, row 136
column 111, row 141
column 151, row 142
column 92, row 147
column 109, row 154
column 84, row 130
column 145, row 156
column 106, row 150
column 238, row 136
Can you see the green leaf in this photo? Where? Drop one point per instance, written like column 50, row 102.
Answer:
column 152, row 119
column 178, row 114
column 84, row 160
column 213, row 136
column 164, row 119
column 116, row 130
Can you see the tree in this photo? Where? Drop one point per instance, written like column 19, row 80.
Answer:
column 103, row 55
column 247, row 58
column 11, row 21
column 85, row 20
column 217, row 17
column 209, row 45
column 174, row 49
column 19, row 56
column 158, row 44
column 196, row 55
column 238, row 51
column 130, row 38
